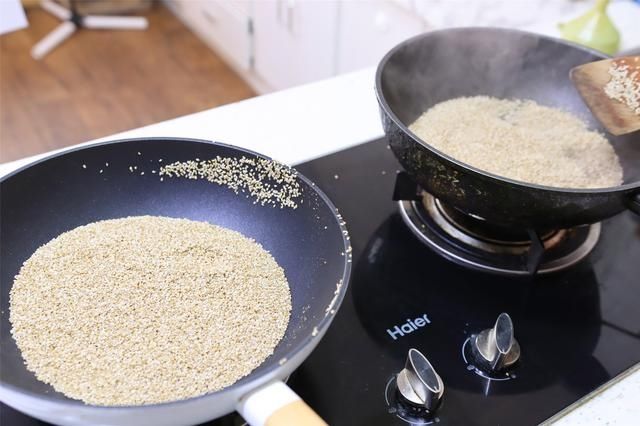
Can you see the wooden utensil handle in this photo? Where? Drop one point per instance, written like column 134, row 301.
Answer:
column 295, row 413
column 277, row 405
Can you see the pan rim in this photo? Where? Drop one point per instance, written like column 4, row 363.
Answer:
column 269, row 370
column 623, row 188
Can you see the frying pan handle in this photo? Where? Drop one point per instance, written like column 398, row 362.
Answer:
column 277, row 405
column 634, row 203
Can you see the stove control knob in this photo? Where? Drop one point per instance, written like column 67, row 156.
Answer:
column 418, row 383
column 496, row 349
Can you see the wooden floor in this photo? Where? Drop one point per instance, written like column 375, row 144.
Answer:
column 102, row 82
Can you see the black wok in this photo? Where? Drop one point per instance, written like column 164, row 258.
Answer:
column 441, row 65
column 57, row 194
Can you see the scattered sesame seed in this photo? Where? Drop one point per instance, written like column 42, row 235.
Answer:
column 314, row 333
column 160, row 160
column 141, row 173
column 101, row 170
column 266, row 181
column 153, row 171
column 84, row 166
column 336, row 177
column 336, row 293
column 624, row 85
column 106, row 164
column 139, row 153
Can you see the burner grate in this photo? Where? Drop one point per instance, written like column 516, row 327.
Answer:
column 554, row 251
column 471, row 241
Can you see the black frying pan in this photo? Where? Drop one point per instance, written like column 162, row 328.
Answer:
column 441, row 65
column 57, row 194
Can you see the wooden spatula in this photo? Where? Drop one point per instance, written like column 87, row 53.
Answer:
column 611, row 90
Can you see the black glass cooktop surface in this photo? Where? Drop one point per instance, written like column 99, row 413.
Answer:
column 577, row 329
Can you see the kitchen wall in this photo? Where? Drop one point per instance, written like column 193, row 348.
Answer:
column 275, row 44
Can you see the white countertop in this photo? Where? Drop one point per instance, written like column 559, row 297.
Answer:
column 309, row 121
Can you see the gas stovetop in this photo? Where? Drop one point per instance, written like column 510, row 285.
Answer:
column 577, row 329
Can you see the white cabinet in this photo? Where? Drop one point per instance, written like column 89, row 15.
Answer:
column 294, row 41
column 223, row 25
column 275, row 44
column 369, row 29
column 229, row 24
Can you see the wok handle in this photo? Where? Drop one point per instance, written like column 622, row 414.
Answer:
column 277, row 405
column 633, row 203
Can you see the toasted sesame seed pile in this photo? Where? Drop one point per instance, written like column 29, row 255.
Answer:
column 521, row 140
column 624, row 85
column 147, row 309
column 267, row 181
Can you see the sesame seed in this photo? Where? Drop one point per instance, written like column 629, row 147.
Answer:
column 84, row 166
column 336, row 294
column 521, row 140
column 624, row 85
column 147, row 309
column 266, row 181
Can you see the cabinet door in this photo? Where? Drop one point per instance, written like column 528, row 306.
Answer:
column 369, row 29
column 230, row 27
column 223, row 25
column 294, row 41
